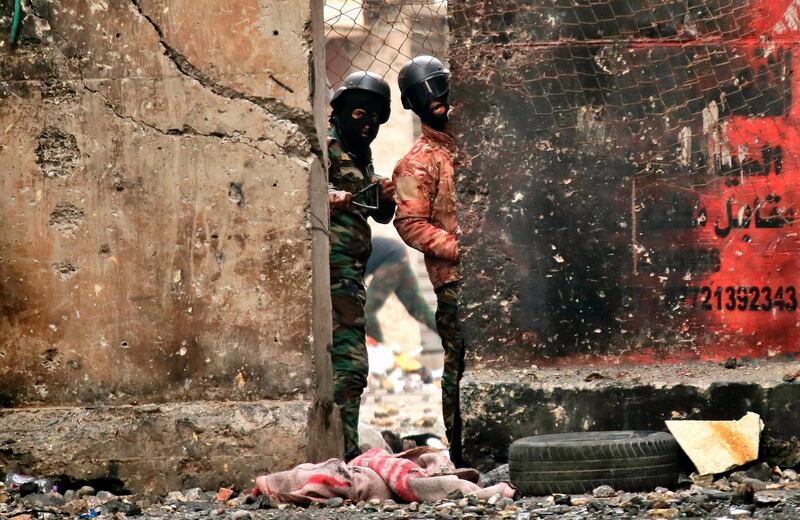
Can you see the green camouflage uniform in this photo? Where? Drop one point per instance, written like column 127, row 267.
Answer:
column 392, row 274
column 350, row 239
column 449, row 330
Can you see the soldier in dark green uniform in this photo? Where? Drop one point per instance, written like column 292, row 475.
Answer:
column 360, row 106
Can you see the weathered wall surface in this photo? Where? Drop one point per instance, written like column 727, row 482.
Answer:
column 629, row 186
column 158, row 177
column 629, row 178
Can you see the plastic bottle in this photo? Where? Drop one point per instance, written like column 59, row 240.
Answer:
column 16, row 481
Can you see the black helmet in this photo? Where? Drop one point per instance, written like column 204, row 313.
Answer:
column 421, row 79
column 369, row 82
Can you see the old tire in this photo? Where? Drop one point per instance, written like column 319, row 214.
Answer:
column 579, row 462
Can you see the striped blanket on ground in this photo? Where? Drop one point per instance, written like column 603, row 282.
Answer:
column 417, row 475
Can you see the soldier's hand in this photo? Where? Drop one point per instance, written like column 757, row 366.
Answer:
column 339, row 199
column 387, row 189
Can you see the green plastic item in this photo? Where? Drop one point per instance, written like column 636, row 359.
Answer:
column 12, row 36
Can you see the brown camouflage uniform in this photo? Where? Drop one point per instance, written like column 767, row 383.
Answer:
column 426, row 220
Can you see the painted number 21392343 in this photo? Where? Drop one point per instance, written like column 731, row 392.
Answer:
column 746, row 298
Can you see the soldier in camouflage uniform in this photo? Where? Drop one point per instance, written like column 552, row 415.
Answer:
column 360, row 106
column 392, row 274
column 426, row 218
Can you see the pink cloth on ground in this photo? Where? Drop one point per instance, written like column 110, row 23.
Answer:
column 417, row 475
column 395, row 470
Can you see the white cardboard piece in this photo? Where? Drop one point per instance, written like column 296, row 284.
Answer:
column 719, row 446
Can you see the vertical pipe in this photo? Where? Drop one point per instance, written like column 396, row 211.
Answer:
column 12, row 36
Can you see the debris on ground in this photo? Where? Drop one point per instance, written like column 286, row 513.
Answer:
column 369, row 438
column 497, row 475
column 719, row 446
column 418, row 475
column 778, row 498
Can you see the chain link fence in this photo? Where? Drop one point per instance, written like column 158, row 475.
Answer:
column 381, row 35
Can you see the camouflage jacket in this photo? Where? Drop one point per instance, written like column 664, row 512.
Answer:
column 426, row 204
column 350, row 234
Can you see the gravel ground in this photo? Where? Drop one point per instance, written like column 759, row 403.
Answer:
column 775, row 496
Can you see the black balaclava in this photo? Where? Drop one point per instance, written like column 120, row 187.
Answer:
column 437, row 122
column 351, row 131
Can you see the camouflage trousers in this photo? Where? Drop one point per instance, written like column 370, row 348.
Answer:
column 450, row 331
column 396, row 279
column 349, row 356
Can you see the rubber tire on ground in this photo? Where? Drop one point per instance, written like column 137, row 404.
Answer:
column 576, row 463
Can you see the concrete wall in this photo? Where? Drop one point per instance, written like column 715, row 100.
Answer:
column 161, row 200
column 627, row 180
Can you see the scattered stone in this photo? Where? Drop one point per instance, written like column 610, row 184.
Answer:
column 766, row 499
column 603, row 491
column 790, row 475
column 120, row 506
column 580, row 501
column 76, row 507
column 69, row 495
column 260, row 502
column 223, row 495
column 739, row 513
column 425, row 422
column 44, row 500
column 594, row 376
column 595, row 505
column 193, row 494
column 237, row 502
column 413, row 506
column 702, row 480
column 445, row 505
column 241, row 515
column 497, row 475
column 105, row 496
column 390, row 506
column 722, row 484
column 791, row 376
column 761, row 471
column 335, row 502
column 658, row 504
column 663, row 513
column 85, row 491
column 756, row 484
column 715, row 494
column 174, row 497
column 745, row 494
column 456, row 494
column 561, row 499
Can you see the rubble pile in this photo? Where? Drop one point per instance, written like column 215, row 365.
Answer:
column 759, row 492
column 403, row 396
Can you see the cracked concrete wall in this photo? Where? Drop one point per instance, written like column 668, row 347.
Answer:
column 158, row 170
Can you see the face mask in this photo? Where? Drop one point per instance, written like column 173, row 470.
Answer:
column 429, row 116
column 421, row 97
column 358, row 133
